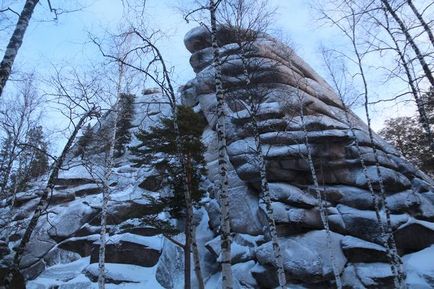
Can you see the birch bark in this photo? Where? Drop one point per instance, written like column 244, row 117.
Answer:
column 323, row 212
column 422, row 21
column 227, row 279
column 410, row 40
column 108, row 166
column 39, row 210
column 15, row 42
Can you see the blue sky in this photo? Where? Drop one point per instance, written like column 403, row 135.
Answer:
column 66, row 41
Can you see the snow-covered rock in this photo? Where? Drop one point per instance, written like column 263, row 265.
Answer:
column 63, row 251
column 306, row 256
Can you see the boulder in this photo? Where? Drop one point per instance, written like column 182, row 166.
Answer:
column 359, row 251
column 130, row 249
column 351, row 220
column 414, row 236
column 115, row 273
column 69, row 218
column 170, row 268
column 242, row 248
column 291, row 195
column 306, row 256
column 80, row 245
column 375, row 275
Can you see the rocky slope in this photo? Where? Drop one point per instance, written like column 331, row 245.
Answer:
column 63, row 255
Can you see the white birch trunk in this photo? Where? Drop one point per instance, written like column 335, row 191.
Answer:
column 374, row 195
column 15, row 42
column 423, row 118
column 323, row 212
column 410, row 40
column 399, row 278
column 227, row 279
column 106, row 184
column 265, row 192
column 399, row 275
column 422, row 21
column 269, row 211
column 41, row 206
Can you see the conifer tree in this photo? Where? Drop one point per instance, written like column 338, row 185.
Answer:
column 157, row 148
column 33, row 160
column 38, row 147
column 179, row 159
column 126, row 113
column 84, row 142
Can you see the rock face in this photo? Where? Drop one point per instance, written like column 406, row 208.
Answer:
column 63, row 251
column 291, row 85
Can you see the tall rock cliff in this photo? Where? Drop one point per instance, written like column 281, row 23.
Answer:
column 290, row 85
column 63, row 250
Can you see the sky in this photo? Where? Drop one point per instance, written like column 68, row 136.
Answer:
column 66, row 40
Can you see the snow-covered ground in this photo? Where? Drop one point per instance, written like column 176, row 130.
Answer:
column 74, row 276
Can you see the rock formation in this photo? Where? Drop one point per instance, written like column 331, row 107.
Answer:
column 290, row 84
column 62, row 251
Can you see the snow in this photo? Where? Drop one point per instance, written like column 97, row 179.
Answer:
column 59, row 274
column 352, row 242
column 370, row 274
column 153, row 242
column 75, row 171
column 72, row 276
column 420, row 268
column 134, row 276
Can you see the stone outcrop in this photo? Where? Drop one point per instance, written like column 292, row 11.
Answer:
column 62, row 253
column 291, row 85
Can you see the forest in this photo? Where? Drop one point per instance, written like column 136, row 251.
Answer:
column 234, row 144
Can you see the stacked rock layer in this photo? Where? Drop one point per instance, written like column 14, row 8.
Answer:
column 63, row 252
column 289, row 89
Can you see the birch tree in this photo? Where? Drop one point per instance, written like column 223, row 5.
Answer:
column 349, row 27
column 411, row 78
column 227, row 279
column 341, row 90
column 17, row 116
column 250, row 20
column 44, row 200
column 15, row 42
column 410, row 39
column 108, row 166
column 422, row 21
column 150, row 62
column 322, row 208
column 397, row 34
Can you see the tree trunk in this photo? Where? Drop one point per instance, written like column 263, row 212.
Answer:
column 322, row 209
column 8, row 169
column 422, row 21
column 269, row 210
column 15, row 42
column 399, row 275
column 187, row 251
column 423, row 118
column 265, row 192
column 227, row 279
column 374, row 195
column 410, row 40
column 196, row 258
column 46, row 193
column 106, row 181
